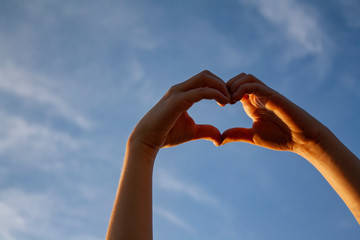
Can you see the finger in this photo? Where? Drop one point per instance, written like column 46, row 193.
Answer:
column 264, row 96
column 174, row 105
column 208, row 132
column 237, row 135
column 213, row 75
column 292, row 115
column 257, row 89
column 248, row 106
column 197, row 94
column 237, row 77
column 203, row 79
column 235, row 83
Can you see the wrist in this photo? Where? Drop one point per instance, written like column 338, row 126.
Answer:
column 141, row 149
column 320, row 144
column 325, row 150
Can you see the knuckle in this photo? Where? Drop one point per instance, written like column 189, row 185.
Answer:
column 205, row 72
column 180, row 102
column 175, row 100
column 174, row 96
column 173, row 89
column 241, row 75
column 251, row 76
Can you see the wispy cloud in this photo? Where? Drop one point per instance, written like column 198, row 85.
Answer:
column 208, row 46
column 128, row 21
column 173, row 219
column 116, row 21
column 296, row 20
column 31, row 86
column 35, row 144
column 138, row 84
column 24, row 213
column 170, row 183
column 40, row 215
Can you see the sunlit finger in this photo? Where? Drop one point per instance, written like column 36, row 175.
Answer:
column 248, row 78
column 237, row 135
column 203, row 79
column 249, row 88
column 208, row 132
column 234, row 79
column 197, row 94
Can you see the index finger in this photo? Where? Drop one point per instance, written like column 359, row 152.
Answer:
column 234, row 83
column 203, row 79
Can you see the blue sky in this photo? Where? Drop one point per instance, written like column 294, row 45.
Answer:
column 76, row 76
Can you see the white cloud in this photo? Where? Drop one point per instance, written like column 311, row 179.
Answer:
column 23, row 213
column 173, row 218
column 43, row 215
column 118, row 21
column 32, row 87
column 35, row 144
column 297, row 21
column 170, row 183
column 205, row 46
column 138, row 84
column 125, row 22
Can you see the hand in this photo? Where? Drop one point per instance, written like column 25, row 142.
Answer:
column 278, row 123
column 168, row 123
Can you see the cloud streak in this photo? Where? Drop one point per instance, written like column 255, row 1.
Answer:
column 30, row 87
column 173, row 219
column 24, row 213
column 35, row 144
column 295, row 20
column 39, row 216
column 196, row 193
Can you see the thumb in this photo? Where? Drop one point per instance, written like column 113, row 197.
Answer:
column 237, row 135
column 208, row 132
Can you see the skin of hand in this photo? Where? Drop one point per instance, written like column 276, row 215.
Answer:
column 279, row 124
column 168, row 124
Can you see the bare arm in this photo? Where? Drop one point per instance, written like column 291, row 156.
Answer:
column 339, row 166
column 279, row 124
column 166, row 124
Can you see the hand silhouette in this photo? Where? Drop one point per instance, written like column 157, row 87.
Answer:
column 168, row 124
column 278, row 123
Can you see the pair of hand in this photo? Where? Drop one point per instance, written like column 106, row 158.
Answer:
column 277, row 122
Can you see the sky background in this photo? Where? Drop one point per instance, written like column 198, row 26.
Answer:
column 76, row 77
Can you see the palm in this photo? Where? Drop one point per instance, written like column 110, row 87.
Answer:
column 268, row 130
column 183, row 130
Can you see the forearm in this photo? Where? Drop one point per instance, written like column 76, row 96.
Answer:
column 132, row 213
column 340, row 167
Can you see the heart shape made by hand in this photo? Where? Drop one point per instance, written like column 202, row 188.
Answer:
column 268, row 129
column 277, row 122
